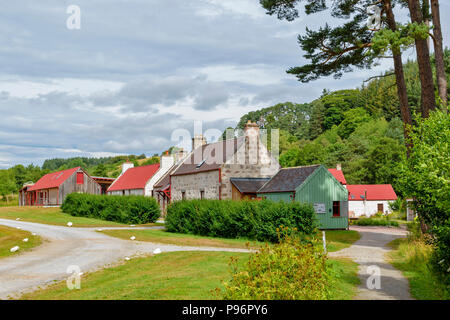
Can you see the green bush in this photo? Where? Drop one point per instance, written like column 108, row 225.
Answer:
column 289, row 270
column 257, row 220
column 375, row 222
column 123, row 209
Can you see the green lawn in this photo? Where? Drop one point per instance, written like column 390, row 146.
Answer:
column 11, row 237
column 345, row 281
column 411, row 257
column 162, row 236
column 339, row 239
column 53, row 216
column 175, row 275
column 336, row 239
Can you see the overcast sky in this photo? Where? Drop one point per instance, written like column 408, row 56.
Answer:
column 139, row 69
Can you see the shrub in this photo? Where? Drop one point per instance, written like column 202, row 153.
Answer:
column 289, row 270
column 257, row 220
column 123, row 209
column 374, row 222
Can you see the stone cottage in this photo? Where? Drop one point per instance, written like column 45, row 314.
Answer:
column 210, row 170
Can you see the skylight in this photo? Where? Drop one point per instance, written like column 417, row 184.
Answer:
column 201, row 163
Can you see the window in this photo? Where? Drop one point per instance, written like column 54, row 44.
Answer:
column 202, row 194
column 80, row 177
column 336, row 208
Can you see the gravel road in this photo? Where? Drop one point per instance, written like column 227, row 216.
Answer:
column 68, row 246
column 369, row 251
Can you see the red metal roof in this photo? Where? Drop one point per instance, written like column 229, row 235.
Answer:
column 339, row 175
column 374, row 192
column 53, row 180
column 134, row 178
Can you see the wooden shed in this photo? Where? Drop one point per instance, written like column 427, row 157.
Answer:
column 314, row 185
column 52, row 189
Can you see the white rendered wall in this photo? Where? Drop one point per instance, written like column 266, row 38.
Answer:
column 368, row 208
column 166, row 164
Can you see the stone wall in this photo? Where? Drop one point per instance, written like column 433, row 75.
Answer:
column 193, row 184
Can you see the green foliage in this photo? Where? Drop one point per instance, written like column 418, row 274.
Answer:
column 256, row 220
column 426, row 178
column 352, row 119
column 123, row 209
column 375, row 221
column 289, row 270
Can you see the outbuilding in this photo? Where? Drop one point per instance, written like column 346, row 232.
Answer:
column 52, row 189
column 311, row 184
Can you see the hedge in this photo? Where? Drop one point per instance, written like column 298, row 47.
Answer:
column 256, row 220
column 123, row 209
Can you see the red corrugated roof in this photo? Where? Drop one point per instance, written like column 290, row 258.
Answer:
column 134, row 178
column 374, row 192
column 53, row 180
column 339, row 175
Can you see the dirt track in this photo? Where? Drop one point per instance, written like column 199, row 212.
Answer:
column 370, row 251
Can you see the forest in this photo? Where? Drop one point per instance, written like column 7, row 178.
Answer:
column 361, row 128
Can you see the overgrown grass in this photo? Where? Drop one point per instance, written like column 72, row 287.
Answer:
column 52, row 216
column 162, row 236
column 11, row 237
column 412, row 257
column 178, row 276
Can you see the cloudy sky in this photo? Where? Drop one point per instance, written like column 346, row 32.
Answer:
column 139, row 69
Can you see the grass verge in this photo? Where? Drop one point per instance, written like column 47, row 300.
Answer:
column 11, row 237
column 345, row 280
column 178, row 276
column 162, row 236
column 412, row 258
column 54, row 216
column 339, row 239
column 336, row 239
column 172, row 275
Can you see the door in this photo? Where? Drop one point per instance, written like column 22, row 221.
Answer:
column 380, row 208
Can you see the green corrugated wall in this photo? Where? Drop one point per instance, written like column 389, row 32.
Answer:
column 322, row 187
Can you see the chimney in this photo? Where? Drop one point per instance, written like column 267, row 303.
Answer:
column 251, row 129
column 166, row 162
column 127, row 165
column 179, row 154
column 339, row 167
column 197, row 141
column 251, row 132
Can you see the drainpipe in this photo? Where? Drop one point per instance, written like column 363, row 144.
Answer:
column 220, row 183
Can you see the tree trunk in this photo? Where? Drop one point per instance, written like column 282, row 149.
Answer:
column 405, row 112
column 423, row 59
column 439, row 52
column 426, row 17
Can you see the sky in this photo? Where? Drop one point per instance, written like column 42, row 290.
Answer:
column 136, row 71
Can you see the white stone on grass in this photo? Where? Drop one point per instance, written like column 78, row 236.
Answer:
column 126, row 258
column 157, row 251
column 14, row 249
column 25, row 240
column 132, row 238
column 69, row 224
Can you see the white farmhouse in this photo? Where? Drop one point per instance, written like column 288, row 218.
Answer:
column 367, row 200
